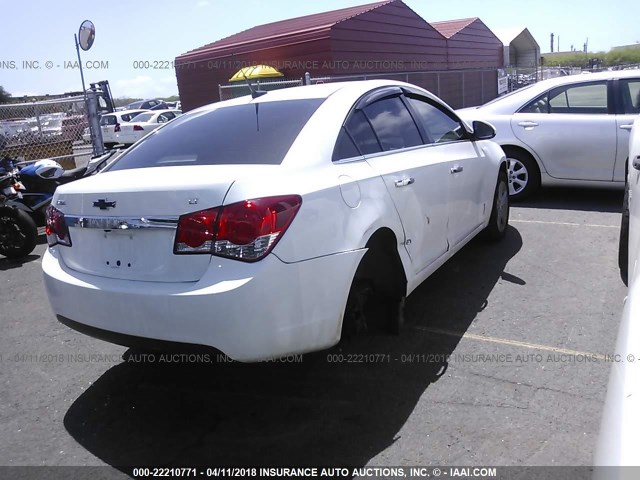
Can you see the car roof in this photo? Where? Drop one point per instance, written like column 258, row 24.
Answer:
column 133, row 110
column 517, row 98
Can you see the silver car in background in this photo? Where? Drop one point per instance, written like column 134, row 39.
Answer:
column 571, row 130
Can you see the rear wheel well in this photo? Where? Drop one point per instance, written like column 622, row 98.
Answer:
column 381, row 265
column 379, row 286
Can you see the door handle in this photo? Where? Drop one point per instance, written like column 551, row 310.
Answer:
column 457, row 169
column 404, row 182
column 626, row 127
column 636, row 162
column 528, row 124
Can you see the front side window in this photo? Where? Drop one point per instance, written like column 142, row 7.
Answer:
column 588, row 98
column 256, row 133
column 440, row 126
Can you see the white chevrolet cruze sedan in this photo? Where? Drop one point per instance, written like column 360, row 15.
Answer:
column 571, row 130
column 259, row 226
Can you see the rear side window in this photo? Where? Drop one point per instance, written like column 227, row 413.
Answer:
column 128, row 116
column 362, row 134
column 257, row 133
column 393, row 124
column 143, row 117
column 631, row 95
column 108, row 120
column 345, row 148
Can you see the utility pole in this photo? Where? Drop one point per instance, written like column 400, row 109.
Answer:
column 552, row 43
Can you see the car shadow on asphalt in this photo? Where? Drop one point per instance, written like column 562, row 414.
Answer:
column 338, row 407
column 580, row 199
column 11, row 263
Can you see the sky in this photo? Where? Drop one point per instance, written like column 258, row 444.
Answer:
column 37, row 50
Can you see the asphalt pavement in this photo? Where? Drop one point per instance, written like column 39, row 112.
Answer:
column 502, row 362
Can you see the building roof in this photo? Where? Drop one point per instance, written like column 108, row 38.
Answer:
column 520, row 36
column 449, row 28
column 284, row 28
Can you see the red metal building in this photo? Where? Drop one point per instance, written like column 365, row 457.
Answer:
column 385, row 38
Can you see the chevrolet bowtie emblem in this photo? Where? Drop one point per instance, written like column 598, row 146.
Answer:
column 104, row 204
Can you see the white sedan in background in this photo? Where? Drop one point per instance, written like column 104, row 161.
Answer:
column 263, row 226
column 618, row 440
column 571, row 130
column 110, row 124
column 143, row 124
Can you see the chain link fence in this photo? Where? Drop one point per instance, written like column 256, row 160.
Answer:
column 56, row 129
column 459, row 88
column 240, row 89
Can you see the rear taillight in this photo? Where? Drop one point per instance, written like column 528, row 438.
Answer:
column 138, row 128
column 116, row 128
column 56, row 229
column 196, row 231
column 246, row 230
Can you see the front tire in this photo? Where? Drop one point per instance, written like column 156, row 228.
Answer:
column 623, row 244
column 499, row 219
column 18, row 233
column 523, row 173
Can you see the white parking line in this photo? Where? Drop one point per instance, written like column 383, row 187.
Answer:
column 506, row 341
column 564, row 223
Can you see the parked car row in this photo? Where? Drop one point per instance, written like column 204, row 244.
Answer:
column 128, row 126
column 46, row 127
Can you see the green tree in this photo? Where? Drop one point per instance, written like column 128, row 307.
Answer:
column 4, row 95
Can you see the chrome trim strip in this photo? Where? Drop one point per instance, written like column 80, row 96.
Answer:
column 120, row 223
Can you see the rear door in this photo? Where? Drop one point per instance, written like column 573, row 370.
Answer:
column 385, row 132
column 572, row 129
column 628, row 109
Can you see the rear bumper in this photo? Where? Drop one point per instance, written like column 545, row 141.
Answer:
column 257, row 311
column 127, row 138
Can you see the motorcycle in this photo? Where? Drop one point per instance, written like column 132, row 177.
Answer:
column 41, row 179
column 18, row 231
column 25, row 195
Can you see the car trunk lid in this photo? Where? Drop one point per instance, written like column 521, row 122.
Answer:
column 122, row 224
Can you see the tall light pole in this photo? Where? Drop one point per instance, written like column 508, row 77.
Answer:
column 84, row 40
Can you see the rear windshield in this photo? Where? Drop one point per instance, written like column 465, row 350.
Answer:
column 259, row 133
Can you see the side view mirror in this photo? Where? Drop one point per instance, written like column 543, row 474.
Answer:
column 483, row 130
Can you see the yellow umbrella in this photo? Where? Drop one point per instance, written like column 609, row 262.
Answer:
column 255, row 71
